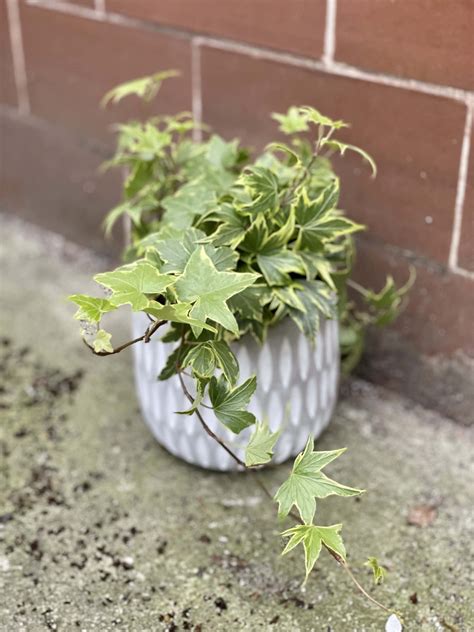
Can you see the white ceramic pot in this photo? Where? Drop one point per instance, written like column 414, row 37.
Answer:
column 296, row 389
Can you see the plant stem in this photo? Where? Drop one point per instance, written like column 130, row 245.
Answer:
column 206, row 427
column 144, row 338
column 360, row 588
column 269, row 495
column 355, row 286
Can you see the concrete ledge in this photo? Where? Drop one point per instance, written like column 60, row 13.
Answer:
column 101, row 529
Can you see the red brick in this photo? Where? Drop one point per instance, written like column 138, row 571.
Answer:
column 51, row 178
column 415, row 139
column 466, row 245
column 430, row 40
column 296, row 26
column 7, row 79
column 71, row 62
column 440, row 311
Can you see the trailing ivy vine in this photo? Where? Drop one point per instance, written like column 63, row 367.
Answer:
column 224, row 246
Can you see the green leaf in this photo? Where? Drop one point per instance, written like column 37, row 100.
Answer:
column 292, row 158
column 387, row 303
column 343, row 147
column 102, row 342
column 173, row 361
column 288, row 297
column 202, row 360
column 91, row 308
column 312, row 537
column 145, row 87
column 222, row 154
column 379, row 572
column 281, row 237
column 175, row 252
column 317, row 300
column 192, row 199
column 318, row 221
column 292, row 122
column 248, row 303
column 278, row 264
column 206, row 287
column 306, row 483
column 317, row 265
column 176, row 312
column 134, row 209
column 260, row 447
column 198, row 397
column 204, row 357
column 131, row 284
column 262, row 185
column 317, row 118
column 255, row 235
column 226, row 360
column 229, row 404
column 231, row 227
column 142, row 142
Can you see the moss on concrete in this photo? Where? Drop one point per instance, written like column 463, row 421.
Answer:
column 101, row 529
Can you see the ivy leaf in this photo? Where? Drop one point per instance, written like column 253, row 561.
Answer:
column 193, row 198
column 287, row 297
column 282, row 236
column 102, row 341
column 343, row 147
column 260, row 447
column 202, row 360
column 175, row 252
column 306, row 483
column 317, row 265
column 140, row 141
column 317, row 300
column 198, row 397
column 255, row 236
column 262, row 184
column 206, row 287
column 222, row 154
column 229, row 404
column 145, row 87
column 131, row 284
column 276, row 265
column 386, row 304
column 248, row 303
column 292, row 122
column 173, row 361
column 291, row 156
column 314, row 116
column 378, row 571
column 134, row 209
column 312, row 537
column 231, row 226
column 176, row 313
column 90, row 308
column 315, row 222
column 226, row 360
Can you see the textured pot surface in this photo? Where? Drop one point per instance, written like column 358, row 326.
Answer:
column 296, row 391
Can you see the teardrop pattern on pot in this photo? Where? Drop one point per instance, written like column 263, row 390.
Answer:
column 297, row 386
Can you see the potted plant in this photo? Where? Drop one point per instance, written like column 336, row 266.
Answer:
column 243, row 266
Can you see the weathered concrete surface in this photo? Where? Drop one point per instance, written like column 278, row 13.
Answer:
column 101, row 529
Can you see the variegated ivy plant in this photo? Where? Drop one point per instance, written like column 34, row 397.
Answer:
column 224, row 246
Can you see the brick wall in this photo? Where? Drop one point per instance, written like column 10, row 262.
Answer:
column 401, row 72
